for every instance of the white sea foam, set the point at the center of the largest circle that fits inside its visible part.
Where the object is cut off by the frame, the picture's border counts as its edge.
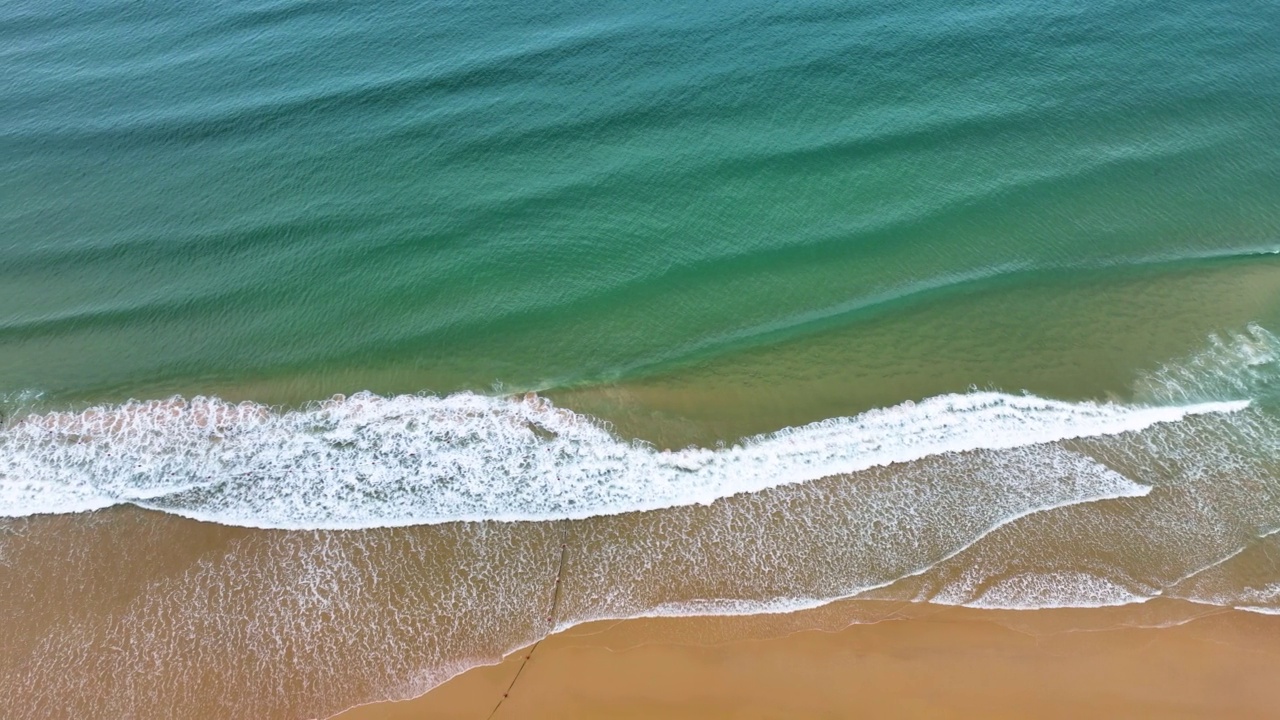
(1040, 590)
(371, 461)
(1242, 364)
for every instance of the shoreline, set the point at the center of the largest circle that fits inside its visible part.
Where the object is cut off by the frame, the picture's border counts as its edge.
(895, 660)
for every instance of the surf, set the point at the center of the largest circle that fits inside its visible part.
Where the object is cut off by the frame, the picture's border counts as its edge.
(370, 461)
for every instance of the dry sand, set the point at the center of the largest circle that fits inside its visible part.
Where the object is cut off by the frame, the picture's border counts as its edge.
(913, 663)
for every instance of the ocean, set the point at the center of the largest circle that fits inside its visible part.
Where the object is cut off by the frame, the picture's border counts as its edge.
(344, 347)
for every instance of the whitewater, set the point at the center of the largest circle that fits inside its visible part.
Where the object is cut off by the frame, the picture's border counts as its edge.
(370, 461)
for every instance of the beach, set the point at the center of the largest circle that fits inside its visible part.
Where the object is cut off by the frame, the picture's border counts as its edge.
(910, 663)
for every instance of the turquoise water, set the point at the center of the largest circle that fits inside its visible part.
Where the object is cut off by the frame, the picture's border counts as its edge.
(540, 197)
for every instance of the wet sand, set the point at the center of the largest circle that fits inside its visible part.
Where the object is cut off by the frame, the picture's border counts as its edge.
(914, 662)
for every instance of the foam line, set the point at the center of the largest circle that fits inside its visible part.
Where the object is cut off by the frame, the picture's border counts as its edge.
(370, 461)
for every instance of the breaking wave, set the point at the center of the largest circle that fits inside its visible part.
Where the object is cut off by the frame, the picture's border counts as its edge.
(369, 461)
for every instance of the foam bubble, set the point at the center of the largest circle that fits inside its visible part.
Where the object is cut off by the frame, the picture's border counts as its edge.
(1041, 590)
(371, 461)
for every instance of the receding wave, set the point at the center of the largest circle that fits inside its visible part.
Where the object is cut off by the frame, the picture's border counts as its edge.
(370, 461)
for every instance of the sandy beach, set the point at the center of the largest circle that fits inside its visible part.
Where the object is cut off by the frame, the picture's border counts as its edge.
(912, 663)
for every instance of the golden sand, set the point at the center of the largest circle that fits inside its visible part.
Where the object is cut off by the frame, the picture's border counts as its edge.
(950, 663)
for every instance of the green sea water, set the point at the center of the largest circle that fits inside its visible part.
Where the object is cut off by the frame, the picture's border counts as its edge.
(283, 200)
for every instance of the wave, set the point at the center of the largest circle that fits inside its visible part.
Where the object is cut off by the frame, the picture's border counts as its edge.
(369, 461)
(400, 610)
(982, 499)
(930, 290)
